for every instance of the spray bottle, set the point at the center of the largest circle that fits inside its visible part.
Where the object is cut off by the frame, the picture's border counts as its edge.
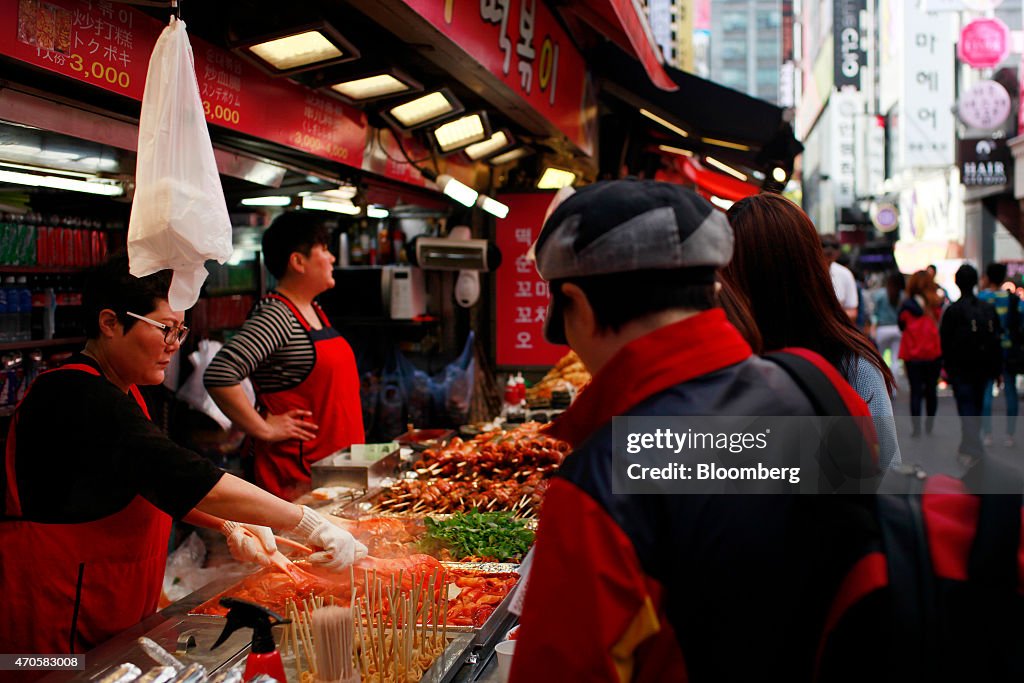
(264, 657)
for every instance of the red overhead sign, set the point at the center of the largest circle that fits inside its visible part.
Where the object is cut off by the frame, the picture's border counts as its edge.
(525, 47)
(521, 295)
(108, 45)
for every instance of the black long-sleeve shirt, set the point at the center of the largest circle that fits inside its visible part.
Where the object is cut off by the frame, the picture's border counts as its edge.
(85, 449)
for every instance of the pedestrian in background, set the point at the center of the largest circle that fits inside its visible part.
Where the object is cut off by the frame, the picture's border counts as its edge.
(992, 293)
(843, 282)
(921, 348)
(972, 355)
(887, 303)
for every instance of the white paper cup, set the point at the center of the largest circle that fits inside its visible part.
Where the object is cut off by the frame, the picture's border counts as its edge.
(503, 651)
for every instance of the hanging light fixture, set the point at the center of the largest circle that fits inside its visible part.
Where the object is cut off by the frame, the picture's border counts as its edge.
(509, 156)
(424, 110)
(555, 178)
(298, 49)
(462, 132)
(375, 86)
(492, 206)
(499, 141)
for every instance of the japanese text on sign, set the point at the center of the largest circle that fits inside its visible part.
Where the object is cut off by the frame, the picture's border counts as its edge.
(106, 44)
(96, 45)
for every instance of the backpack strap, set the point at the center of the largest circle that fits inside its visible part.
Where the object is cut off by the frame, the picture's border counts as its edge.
(913, 597)
(816, 385)
(994, 554)
(850, 460)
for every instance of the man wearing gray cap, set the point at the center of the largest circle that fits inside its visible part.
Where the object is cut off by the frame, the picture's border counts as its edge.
(654, 587)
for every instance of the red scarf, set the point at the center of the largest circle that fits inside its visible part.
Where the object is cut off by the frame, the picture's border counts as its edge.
(670, 355)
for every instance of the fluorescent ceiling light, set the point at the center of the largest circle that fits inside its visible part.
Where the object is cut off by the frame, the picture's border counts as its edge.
(671, 126)
(42, 170)
(297, 51)
(497, 141)
(723, 204)
(675, 150)
(316, 203)
(423, 110)
(463, 194)
(511, 155)
(460, 132)
(555, 179)
(343, 192)
(725, 168)
(267, 201)
(371, 87)
(492, 206)
(108, 188)
(726, 143)
(99, 163)
(377, 212)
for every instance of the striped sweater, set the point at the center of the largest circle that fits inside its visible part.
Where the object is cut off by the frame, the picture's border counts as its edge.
(272, 349)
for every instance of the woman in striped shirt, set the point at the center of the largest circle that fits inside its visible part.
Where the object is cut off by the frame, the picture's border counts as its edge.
(304, 372)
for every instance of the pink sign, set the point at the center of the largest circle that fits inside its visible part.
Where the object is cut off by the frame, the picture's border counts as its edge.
(521, 295)
(984, 43)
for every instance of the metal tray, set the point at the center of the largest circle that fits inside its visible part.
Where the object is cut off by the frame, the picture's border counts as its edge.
(342, 469)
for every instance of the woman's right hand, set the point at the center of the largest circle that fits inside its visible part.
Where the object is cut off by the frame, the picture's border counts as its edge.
(289, 425)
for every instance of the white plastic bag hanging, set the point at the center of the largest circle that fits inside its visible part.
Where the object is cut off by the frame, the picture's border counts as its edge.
(179, 217)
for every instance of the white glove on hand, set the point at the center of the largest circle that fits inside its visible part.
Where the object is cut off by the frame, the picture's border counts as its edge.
(341, 549)
(249, 542)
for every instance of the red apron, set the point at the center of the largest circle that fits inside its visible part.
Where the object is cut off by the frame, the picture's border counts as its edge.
(331, 393)
(68, 587)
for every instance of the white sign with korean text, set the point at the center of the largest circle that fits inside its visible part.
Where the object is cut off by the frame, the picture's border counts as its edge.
(960, 5)
(926, 98)
(845, 106)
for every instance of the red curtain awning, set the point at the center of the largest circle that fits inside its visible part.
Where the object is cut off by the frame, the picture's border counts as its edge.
(622, 23)
(714, 183)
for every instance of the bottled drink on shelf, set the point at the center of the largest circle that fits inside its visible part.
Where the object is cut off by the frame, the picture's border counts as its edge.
(384, 246)
(40, 307)
(24, 309)
(60, 307)
(5, 319)
(74, 313)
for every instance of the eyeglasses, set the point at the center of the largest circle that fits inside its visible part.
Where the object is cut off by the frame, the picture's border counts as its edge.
(172, 335)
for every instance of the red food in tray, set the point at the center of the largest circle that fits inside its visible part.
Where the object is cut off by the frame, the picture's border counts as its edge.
(480, 592)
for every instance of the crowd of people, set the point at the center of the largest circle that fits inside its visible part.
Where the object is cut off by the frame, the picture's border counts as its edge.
(675, 308)
(973, 345)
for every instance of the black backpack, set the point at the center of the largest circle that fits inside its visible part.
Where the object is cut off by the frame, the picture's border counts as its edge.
(972, 338)
(916, 583)
(1015, 333)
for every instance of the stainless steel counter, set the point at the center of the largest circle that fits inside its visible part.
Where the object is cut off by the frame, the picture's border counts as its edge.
(189, 638)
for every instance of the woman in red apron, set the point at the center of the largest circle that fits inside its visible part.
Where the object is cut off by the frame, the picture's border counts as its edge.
(90, 485)
(71, 576)
(304, 371)
(330, 393)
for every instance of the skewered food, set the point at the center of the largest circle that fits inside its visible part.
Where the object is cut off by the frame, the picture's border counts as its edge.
(569, 371)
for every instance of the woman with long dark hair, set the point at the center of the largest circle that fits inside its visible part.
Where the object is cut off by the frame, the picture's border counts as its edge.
(780, 266)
